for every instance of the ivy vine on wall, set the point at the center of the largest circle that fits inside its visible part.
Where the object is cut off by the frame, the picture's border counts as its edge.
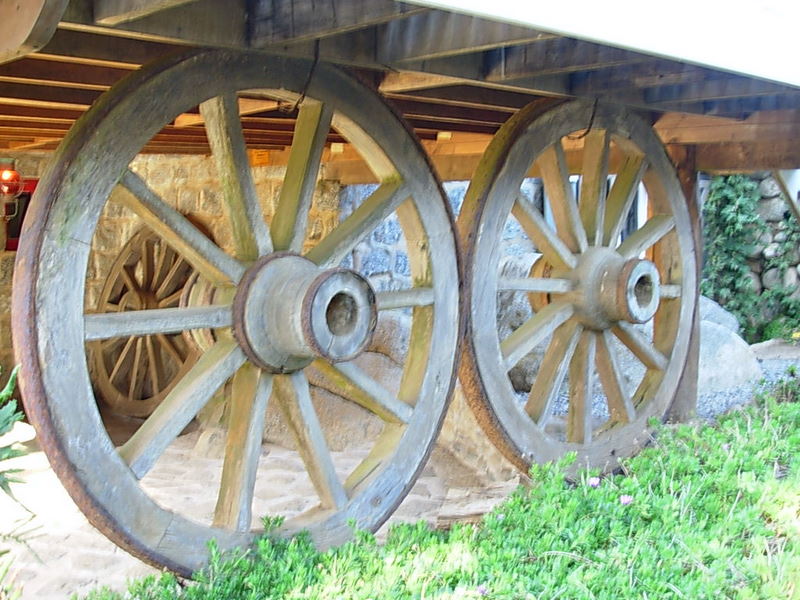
(732, 228)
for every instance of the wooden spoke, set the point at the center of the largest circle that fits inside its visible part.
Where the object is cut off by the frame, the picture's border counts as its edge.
(384, 446)
(170, 279)
(592, 202)
(670, 291)
(545, 239)
(620, 405)
(115, 371)
(533, 331)
(224, 130)
(250, 392)
(581, 375)
(294, 399)
(137, 370)
(350, 382)
(290, 221)
(169, 346)
(181, 405)
(552, 371)
(553, 166)
(646, 236)
(178, 232)
(172, 300)
(417, 296)
(641, 347)
(620, 198)
(545, 285)
(99, 326)
(154, 365)
(130, 279)
(339, 242)
(148, 265)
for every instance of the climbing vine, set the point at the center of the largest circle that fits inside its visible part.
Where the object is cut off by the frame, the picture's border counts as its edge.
(732, 228)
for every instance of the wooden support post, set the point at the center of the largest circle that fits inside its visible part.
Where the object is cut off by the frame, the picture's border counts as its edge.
(684, 406)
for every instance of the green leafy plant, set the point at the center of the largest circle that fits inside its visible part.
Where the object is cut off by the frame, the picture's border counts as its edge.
(707, 511)
(732, 228)
(9, 415)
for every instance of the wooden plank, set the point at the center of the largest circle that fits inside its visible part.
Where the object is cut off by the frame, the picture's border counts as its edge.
(57, 73)
(676, 128)
(438, 33)
(114, 12)
(201, 22)
(45, 95)
(103, 50)
(558, 55)
(247, 106)
(27, 25)
(728, 158)
(295, 20)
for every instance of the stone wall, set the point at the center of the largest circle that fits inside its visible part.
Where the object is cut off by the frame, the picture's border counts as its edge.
(779, 221)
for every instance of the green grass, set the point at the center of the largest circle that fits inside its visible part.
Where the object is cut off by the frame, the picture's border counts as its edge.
(714, 512)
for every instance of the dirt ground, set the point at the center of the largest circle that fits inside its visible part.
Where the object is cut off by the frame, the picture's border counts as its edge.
(65, 555)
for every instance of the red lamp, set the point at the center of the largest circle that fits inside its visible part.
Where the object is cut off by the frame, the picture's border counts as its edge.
(10, 179)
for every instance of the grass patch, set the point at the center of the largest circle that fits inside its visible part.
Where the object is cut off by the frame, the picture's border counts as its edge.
(708, 511)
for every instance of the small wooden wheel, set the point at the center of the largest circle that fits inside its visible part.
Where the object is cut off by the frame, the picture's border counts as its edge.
(132, 375)
(610, 309)
(280, 313)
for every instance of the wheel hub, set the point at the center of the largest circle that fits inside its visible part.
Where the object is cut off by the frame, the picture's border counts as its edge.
(611, 289)
(287, 312)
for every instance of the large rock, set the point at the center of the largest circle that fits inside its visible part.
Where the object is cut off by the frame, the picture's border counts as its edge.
(771, 210)
(711, 311)
(726, 361)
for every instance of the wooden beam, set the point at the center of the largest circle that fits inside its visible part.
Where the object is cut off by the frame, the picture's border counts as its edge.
(45, 95)
(297, 20)
(114, 12)
(553, 56)
(743, 157)
(103, 50)
(677, 128)
(789, 182)
(247, 106)
(407, 81)
(57, 73)
(200, 22)
(436, 33)
(471, 96)
(27, 25)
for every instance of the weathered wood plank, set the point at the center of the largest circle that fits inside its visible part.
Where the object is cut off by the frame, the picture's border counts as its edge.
(533, 331)
(290, 221)
(296, 20)
(115, 12)
(160, 320)
(243, 210)
(581, 379)
(27, 25)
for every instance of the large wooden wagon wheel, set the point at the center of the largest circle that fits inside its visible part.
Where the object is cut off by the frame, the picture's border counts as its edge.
(610, 313)
(276, 312)
(132, 375)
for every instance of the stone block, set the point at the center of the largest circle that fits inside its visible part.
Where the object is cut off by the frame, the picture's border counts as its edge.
(769, 188)
(772, 209)
(771, 278)
(7, 267)
(713, 312)
(726, 361)
(790, 278)
(771, 250)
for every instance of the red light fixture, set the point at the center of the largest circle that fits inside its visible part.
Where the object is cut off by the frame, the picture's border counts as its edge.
(10, 179)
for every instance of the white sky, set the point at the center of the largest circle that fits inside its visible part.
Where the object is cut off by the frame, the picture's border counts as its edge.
(759, 37)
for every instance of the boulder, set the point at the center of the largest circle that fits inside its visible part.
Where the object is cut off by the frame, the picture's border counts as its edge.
(726, 361)
(713, 312)
(771, 278)
(769, 188)
(771, 210)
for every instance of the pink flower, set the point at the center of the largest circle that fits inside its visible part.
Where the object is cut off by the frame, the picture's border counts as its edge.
(593, 482)
(625, 499)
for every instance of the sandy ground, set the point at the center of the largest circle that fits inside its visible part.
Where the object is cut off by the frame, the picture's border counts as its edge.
(65, 555)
